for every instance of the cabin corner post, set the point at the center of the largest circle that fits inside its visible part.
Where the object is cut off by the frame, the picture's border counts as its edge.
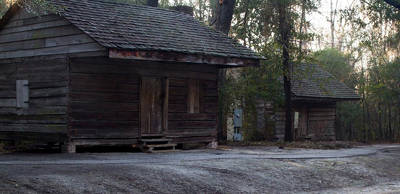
(68, 146)
(165, 104)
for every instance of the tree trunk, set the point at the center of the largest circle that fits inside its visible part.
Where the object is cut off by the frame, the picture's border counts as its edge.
(332, 27)
(223, 14)
(284, 28)
(245, 21)
(302, 25)
(222, 19)
(153, 3)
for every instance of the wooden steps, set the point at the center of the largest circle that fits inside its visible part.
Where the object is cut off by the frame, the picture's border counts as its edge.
(152, 143)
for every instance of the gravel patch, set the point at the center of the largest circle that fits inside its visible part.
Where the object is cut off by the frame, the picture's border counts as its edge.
(238, 170)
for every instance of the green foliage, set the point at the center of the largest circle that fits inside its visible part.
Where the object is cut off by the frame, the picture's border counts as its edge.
(334, 62)
(3, 7)
(36, 7)
(375, 33)
(256, 25)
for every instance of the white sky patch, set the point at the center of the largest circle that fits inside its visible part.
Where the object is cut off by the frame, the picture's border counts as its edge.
(320, 20)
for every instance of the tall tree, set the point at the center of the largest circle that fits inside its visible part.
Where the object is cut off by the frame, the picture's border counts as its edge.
(284, 31)
(221, 21)
(222, 16)
(332, 20)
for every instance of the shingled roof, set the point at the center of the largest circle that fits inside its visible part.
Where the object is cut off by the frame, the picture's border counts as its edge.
(311, 81)
(135, 27)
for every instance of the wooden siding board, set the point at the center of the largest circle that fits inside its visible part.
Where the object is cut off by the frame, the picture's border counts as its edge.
(31, 27)
(79, 48)
(111, 76)
(39, 34)
(8, 102)
(45, 43)
(103, 65)
(186, 125)
(47, 103)
(27, 35)
(320, 121)
(103, 104)
(31, 20)
(36, 128)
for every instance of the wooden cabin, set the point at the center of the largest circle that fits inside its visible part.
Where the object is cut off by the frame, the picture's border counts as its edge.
(104, 73)
(315, 93)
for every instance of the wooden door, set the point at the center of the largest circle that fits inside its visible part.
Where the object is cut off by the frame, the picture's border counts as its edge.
(151, 105)
(300, 131)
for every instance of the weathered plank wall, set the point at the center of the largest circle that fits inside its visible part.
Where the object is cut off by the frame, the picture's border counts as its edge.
(319, 123)
(105, 98)
(36, 49)
(47, 96)
(28, 35)
(280, 125)
(192, 127)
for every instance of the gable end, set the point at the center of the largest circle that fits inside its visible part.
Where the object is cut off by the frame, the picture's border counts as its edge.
(23, 34)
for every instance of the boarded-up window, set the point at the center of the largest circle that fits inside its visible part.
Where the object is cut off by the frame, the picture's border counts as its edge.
(193, 100)
(22, 87)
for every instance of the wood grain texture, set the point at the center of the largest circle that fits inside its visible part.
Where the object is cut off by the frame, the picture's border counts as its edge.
(27, 35)
(151, 105)
(47, 100)
(115, 91)
(103, 104)
(317, 121)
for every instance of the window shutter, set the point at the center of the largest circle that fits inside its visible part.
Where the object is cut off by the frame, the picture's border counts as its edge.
(193, 96)
(22, 93)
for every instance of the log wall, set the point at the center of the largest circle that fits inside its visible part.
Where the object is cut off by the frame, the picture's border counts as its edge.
(321, 122)
(105, 99)
(192, 127)
(28, 35)
(37, 49)
(316, 122)
(48, 88)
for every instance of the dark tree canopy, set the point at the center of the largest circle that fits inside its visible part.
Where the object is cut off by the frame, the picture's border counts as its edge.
(394, 3)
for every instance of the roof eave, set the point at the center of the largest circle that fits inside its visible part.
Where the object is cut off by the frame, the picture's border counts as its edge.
(154, 55)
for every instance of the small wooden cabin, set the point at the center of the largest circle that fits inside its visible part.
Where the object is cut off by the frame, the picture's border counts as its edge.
(111, 73)
(315, 93)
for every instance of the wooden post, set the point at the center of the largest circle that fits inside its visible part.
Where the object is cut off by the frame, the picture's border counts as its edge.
(165, 104)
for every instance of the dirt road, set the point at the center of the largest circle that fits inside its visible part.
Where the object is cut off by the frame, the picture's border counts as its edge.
(373, 169)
